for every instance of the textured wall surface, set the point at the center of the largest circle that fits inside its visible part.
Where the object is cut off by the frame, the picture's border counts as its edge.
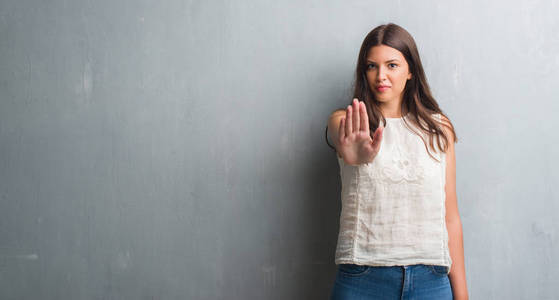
(175, 149)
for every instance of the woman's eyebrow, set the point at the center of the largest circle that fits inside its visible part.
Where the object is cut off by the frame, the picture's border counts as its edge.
(385, 61)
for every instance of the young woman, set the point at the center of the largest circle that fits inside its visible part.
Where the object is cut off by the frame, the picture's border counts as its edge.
(400, 232)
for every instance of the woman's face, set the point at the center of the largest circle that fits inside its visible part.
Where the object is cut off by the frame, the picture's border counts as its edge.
(386, 66)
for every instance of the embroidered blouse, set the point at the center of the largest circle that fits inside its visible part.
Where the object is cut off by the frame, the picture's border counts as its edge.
(393, 209)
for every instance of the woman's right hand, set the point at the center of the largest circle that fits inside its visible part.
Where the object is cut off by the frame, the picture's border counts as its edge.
(354, 140)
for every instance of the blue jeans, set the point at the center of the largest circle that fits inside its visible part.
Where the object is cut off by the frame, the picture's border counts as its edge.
(417, 282)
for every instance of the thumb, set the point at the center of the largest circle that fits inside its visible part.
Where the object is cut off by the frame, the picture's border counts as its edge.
(377, 137)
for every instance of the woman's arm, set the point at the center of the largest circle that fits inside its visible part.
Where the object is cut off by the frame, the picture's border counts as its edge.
(454, 225)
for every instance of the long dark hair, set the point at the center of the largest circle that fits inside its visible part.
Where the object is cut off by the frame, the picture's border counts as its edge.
(418, 104)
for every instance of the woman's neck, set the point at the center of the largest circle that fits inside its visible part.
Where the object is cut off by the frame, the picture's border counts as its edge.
(391, 110)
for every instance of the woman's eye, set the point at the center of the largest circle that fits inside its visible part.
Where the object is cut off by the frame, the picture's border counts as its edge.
(369, 66)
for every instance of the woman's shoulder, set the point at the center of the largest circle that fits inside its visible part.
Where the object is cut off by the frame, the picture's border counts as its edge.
(337, 113)
(332, 127)
(437, 116)
(441, 118)
(334, 118)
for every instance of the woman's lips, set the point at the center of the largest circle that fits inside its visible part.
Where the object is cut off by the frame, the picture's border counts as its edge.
(382, 88)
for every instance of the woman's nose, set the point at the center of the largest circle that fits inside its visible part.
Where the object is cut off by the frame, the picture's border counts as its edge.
(381, 73)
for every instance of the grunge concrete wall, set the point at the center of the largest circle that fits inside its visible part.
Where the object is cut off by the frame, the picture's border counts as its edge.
(175, 149)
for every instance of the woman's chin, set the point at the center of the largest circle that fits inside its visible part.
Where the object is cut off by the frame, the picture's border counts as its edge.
(382, 98)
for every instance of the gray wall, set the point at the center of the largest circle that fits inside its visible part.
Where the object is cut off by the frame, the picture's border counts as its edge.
(175, 149)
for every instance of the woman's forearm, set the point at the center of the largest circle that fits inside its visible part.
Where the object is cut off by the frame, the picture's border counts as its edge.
(457, 271)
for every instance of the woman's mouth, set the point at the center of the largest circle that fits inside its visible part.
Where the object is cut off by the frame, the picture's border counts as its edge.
(382, 88)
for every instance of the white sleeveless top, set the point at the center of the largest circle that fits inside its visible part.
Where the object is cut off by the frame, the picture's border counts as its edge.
(393, 209)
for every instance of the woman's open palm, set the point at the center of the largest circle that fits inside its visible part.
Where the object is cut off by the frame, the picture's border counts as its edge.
(355, 143)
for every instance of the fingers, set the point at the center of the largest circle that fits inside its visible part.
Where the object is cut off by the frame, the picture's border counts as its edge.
(356, 117)
(363, 117)
(341, 130)
(377, 137)
(349, 121)
(356, 109)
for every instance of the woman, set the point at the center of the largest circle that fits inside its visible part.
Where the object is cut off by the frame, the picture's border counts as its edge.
(400, 232)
